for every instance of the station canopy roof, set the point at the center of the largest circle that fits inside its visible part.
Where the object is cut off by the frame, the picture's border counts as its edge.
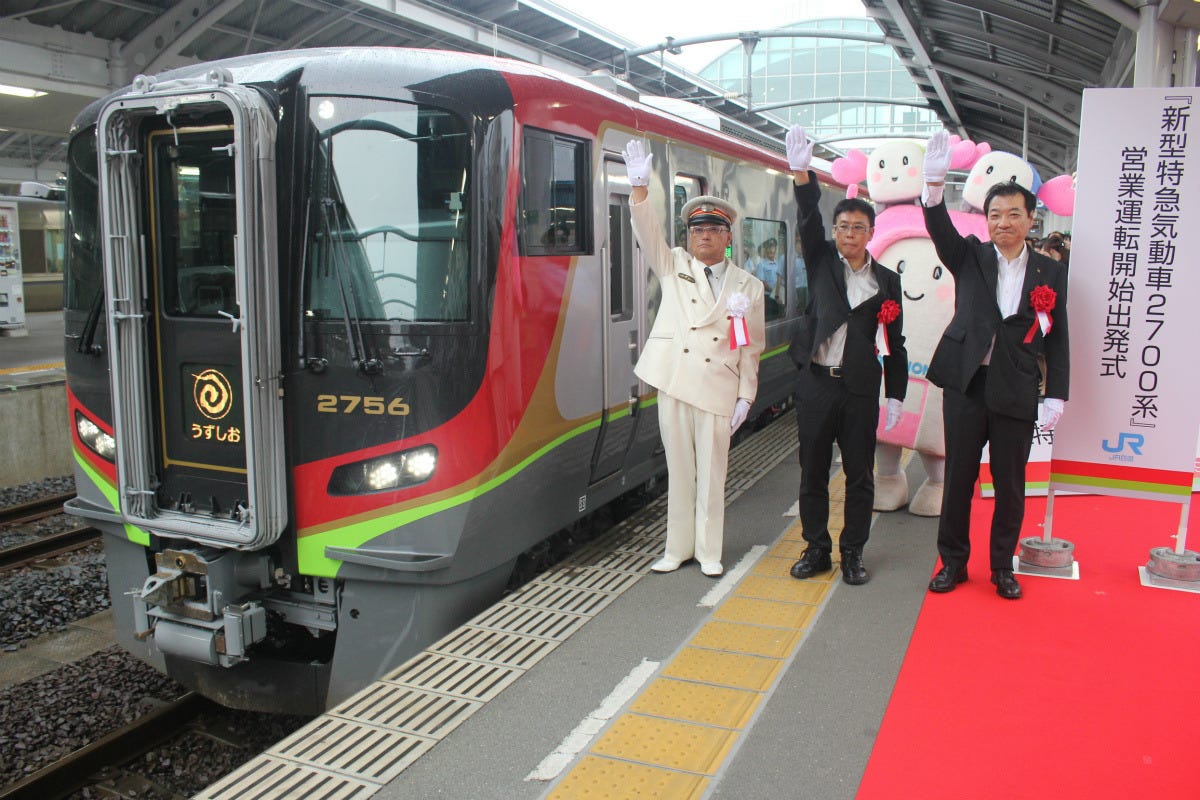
(980, 63)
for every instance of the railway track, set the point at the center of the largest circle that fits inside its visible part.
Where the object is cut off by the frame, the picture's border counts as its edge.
(100, 762)
(47, 547)
(34, 510)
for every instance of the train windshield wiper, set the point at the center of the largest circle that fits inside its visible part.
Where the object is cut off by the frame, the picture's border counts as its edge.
(334, 255)
(87, 337)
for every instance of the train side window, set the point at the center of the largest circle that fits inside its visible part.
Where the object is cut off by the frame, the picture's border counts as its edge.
(554, 194)
(764, 254)
(686, 188)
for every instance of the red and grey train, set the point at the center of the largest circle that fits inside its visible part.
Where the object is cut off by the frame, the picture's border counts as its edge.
(348, 330)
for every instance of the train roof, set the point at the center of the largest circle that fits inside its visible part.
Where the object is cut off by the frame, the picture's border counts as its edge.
(381, 71)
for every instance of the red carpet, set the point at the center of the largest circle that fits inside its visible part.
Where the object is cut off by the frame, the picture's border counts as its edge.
(1082, 689)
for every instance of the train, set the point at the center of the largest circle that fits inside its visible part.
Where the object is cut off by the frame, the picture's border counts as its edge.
(348, 330)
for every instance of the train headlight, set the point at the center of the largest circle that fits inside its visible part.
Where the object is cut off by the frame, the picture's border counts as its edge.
(96, 440)
(387, 473)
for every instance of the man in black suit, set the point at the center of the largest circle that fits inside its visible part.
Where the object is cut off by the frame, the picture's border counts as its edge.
(854, 316)
(1010, 306)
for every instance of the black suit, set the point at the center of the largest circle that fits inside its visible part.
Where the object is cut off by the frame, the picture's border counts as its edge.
(996, 404)
(843, 409)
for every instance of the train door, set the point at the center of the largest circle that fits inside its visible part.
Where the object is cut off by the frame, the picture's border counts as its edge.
(191, 280)
(623, 315)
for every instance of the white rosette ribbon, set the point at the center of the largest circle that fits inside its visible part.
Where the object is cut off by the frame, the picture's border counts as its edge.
(739, 334)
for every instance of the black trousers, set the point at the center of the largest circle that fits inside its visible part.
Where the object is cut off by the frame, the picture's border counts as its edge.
(828, 413)
(968, 425)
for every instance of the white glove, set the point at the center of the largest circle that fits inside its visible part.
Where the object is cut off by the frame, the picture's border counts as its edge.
(1053, 408)
(799, 149)
(937, 157)
(637, 162)
(740, 410)
(894, 409)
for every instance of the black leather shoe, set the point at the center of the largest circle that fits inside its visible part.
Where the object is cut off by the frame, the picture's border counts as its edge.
(947, 579)
(1006, 584)
(853, 571)
(811, 562)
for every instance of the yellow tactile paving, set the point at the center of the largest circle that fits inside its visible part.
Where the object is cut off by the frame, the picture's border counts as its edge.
(666, 743)
(724, 669)
(606, 779)
(785, 590)
(765, 612)
(697, 702)
(756, 640)
(690, 716)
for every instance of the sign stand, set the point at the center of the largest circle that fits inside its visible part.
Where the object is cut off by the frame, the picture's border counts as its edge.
(1174, 569)
(1044, 555)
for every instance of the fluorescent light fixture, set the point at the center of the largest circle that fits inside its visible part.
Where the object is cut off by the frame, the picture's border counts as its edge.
(19, 91)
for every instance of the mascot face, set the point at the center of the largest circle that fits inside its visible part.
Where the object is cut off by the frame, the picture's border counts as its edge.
(928, 294)
(993, 168)
(894, 172)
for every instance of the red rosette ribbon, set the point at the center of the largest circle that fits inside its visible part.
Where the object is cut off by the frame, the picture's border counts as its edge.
(739, 332)
(1043, 300)
(888, 313)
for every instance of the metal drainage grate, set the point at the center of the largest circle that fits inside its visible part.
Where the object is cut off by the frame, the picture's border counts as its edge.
(481, 644)
(474, 680)
(600, 580)
(513, 618)
(571, 599)
(268, 777)
(363, 751)
(409, 710)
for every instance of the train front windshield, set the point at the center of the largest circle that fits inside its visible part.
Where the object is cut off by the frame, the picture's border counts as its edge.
(388, 214)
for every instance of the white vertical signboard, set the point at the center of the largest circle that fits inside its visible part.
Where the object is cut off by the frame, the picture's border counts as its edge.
(1134, 412)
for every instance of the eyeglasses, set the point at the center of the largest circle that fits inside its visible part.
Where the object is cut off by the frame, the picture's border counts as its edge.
(857, 230)
(707, 230)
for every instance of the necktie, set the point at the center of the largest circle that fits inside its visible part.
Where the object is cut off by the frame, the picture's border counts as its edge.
(708, 273)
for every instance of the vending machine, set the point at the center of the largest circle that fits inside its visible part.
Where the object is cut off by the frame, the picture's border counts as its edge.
(12, 291)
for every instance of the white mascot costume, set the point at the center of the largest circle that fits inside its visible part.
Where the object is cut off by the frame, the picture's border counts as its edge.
(893, 173)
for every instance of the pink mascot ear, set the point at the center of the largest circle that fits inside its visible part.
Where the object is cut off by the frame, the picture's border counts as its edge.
(962, 155)
(850, 169)
(982, 149)
(954, 139)
(1059, 195)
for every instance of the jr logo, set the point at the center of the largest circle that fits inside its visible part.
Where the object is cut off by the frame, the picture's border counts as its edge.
(1133, 441)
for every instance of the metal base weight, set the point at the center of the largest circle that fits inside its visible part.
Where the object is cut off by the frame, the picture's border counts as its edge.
(1069, 572)
(1048, 557)
(1166, 563)
(1153, 581)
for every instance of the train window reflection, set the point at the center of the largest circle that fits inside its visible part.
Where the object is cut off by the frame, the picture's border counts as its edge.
(388, 227)
(196, 221)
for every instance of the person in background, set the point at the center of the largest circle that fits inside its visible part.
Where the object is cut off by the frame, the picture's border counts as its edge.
(1010, 307)
(854, 316)
(770, 270)
(702, 356)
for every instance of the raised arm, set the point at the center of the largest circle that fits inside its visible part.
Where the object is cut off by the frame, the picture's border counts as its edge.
(647, 228)
(950, 245)
(808, 196)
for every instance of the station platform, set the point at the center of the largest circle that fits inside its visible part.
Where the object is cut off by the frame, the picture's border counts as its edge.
(35, 357)
(603, 680)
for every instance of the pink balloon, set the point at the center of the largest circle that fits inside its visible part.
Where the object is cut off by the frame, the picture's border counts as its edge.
(852, 191)
(982, 149)
(1059, 195)
(849, 169)
(962, 155)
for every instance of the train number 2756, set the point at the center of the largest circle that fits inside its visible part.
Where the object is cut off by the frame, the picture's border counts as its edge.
(351, 403)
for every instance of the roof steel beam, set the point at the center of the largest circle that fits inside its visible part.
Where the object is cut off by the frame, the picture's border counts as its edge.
(50, 59)
(1010, 12)
(912, 36)
(161, 42)
(1067, 66)
(1044, 110)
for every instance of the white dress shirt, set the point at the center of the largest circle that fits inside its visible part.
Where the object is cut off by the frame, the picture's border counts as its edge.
(860, 287)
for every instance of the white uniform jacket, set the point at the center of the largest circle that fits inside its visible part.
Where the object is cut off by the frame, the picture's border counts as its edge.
(687, 354)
